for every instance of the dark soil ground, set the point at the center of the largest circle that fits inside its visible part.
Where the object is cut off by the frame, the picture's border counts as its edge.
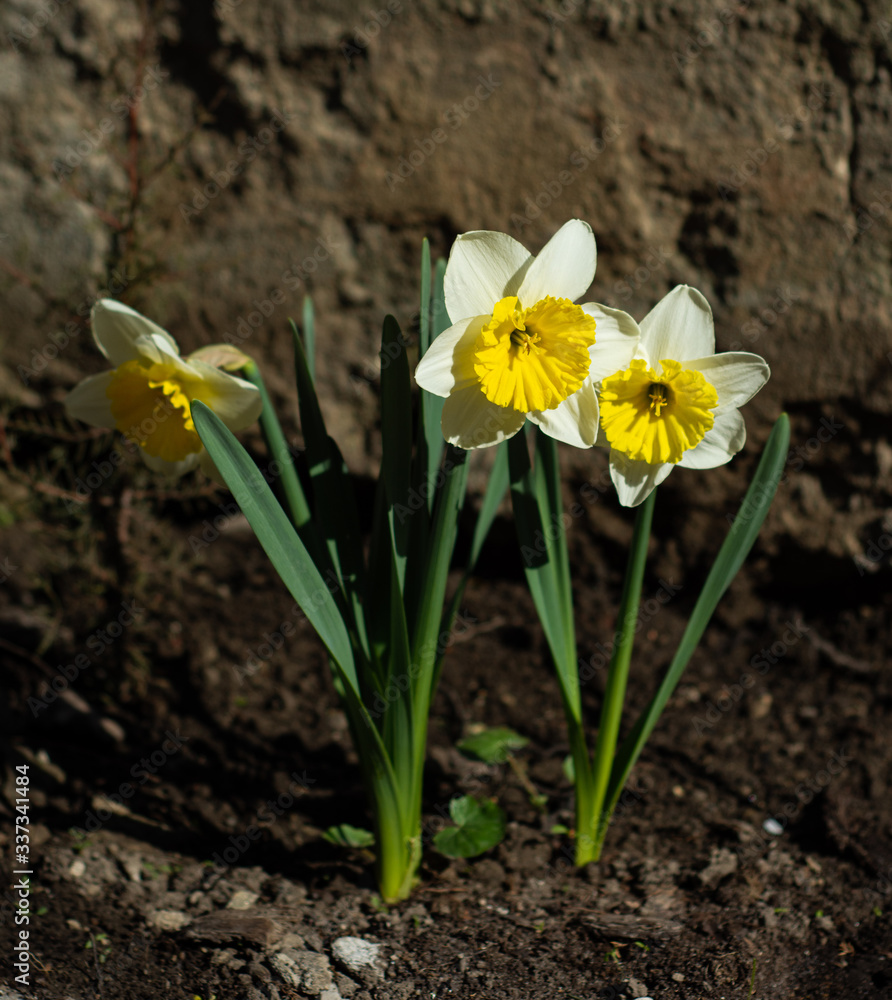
(783, 713)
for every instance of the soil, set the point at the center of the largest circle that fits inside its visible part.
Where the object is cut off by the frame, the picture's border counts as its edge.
(751, 855)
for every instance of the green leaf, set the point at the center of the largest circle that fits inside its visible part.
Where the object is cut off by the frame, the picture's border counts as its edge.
(735, 549)
(277, 536)
(492, 746)
(544, 567)
(309, 325)
(480, 825)
(433, 321)
(344, 835)
(334, 499)
(396, 433)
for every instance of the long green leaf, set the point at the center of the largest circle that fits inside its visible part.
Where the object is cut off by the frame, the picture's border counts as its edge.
(733, 552)
(541, 571)
(431, 441)
(309, 332)
(335, 501)
(291, 487)
(277, 536)
(396, 432)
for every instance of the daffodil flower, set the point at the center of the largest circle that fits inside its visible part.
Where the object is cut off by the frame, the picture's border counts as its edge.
(676, 402)
(519, 347)
(148, 394)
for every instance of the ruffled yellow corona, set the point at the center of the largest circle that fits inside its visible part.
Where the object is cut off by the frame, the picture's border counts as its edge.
(533, 359)
(656, 417)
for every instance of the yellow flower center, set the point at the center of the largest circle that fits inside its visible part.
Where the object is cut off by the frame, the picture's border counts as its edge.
(533, 359)
(150, 404)
(656, 418)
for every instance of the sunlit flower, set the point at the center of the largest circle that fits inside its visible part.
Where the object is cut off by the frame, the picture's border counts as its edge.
(676, 402)
(519, 347)
(147, 396)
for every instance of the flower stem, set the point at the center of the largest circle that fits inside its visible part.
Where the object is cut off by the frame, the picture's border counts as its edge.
(617, 679)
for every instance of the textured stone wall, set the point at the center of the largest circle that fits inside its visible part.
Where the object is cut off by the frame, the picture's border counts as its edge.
(206, 162)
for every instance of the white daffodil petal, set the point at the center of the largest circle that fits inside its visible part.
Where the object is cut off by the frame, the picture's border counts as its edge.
(575, 421)
(483, 268)
(720, 443)
(565, 267)
(470, 420)
(678, 327)
(236, 402)
(117, 328)
(616, 340)
(157, 464)
(88, 401)
(737, 376)
(635, 481)
(448, 363)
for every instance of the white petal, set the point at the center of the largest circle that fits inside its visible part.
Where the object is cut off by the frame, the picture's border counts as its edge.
(635, 481)
(736, 375)
(565, 267)
(117, 328)
(448, 363)
(236, 402)
(171, 468)
(87, 401)
(678, 327)
(720, 443)
(470, 420)
(616, 340)
(483, 268)
(575, 421)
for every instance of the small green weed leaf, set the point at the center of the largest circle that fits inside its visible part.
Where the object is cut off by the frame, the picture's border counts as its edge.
(492, 746)
(344, 835)
(480, 825)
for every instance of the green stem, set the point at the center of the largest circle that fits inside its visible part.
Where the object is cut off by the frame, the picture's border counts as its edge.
(617, 679)
(295, 498)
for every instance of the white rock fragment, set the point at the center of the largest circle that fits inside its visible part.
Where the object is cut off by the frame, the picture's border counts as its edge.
(772, 827)
(355, 953)
(305, 970)
(168, 920)
(242, 899)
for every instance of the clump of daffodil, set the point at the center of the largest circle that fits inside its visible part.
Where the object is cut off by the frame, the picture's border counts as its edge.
(676, 402)
(519, 346)
(147, 396)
